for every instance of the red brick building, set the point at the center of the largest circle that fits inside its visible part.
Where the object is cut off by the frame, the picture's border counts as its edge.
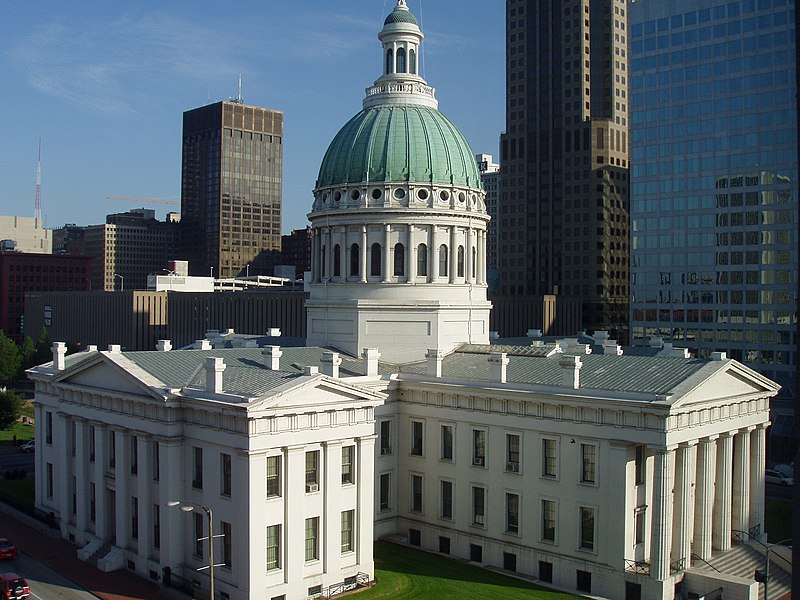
(296, 250)
(22, 272)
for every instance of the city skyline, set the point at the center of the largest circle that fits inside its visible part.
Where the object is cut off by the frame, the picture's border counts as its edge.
(105, 86)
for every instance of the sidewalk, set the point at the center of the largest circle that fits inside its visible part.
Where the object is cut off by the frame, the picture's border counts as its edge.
(46, 546)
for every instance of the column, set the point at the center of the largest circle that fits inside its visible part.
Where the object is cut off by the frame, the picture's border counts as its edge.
(314, 255)
(101, 458)
(412, 255)
(468, 258)
(331, 524)
(363, 273)
(482, 258)
(683, 523)
(62, 471)
(433, 255)
(704, 498)
(365, 515)
(327, 242)
(661, 534)
(741, 480)
(758, 446)
(81, 481)
(144, 480)
(721, 535)
(176, 542)
(122, 495)
(453, 254)
(343, 266)
(387, 254)
(293, 542)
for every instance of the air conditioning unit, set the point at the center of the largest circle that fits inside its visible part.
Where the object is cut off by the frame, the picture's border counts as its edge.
(312, 487)
(479, 460)
(512, 467)
(386, 450)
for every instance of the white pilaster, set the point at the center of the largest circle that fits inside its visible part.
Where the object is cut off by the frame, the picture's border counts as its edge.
(721, 537)
(365, 455)
(411, 253)
(704, 500)
(453, 254)
(740, 510)
(144, 480)
(62, 491)
(433, 254)
(388, 253)
(661, 531)
(82, 481)
(102, 522)
(122, 496)
(683, 522)
(331, 519)
(363, 269)
(176, 542)
(758, 446)
(294, 519)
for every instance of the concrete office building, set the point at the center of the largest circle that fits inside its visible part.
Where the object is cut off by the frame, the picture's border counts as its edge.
(231, 188)
(564, 158)
(714, 213)
(27, 234)
(490, 177)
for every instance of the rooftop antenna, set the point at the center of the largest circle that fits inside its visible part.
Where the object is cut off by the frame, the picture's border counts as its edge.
(422, 48)
(37, 205)
(239, 95)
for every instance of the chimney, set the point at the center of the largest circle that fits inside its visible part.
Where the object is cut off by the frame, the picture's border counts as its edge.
(534, 333)
(612, 347)
(330, 363)
(310, 370)
(214, 368)
(274, 332)
(59, 350)
(114, 348)
(91, 348)
(273, 357)
(164, 345)
(202, 345)
(434, 357)
(600, 337)
(229, 331)
(371, 356)
(498, 361)
(570, 371)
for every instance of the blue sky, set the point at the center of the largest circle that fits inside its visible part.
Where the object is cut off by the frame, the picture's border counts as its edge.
(104, 83)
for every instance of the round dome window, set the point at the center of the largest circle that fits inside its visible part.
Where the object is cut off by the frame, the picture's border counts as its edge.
(355, 194)
(376, 194)
(422, 194)
(399, 193)
(462, 197)
(325, 198)
(337, 196)
(444, 195)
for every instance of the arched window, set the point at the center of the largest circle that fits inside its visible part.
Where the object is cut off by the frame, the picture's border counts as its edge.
(461, 261)
(412, 62)
(337, 260)
(375, 260)
(474, 261)
(355, 260)
(422, 260)
(442, 261)
(401, 60)
(389, 61)
(399, 260)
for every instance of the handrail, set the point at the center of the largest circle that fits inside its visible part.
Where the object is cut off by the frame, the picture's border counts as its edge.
(767, 546)
(695, 556)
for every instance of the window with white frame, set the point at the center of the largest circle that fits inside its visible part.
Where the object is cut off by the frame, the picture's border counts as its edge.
(312, 471)
(512, 452)
(447, 499)
(640, 524)
(416, 493)
(312, 539)
(478, 506)
(273, 476)
(549, 458)
(512, 513)
(587, 524)
(348, 456)
(273, 547)
(227, 545)
(639, 464)
(386, 439)
(385, 491)
(197, 480)
(479, 447)
(416, 438)
(447, 442)
(588, 463)
(225, 474)
(549, 522)
(347, 530)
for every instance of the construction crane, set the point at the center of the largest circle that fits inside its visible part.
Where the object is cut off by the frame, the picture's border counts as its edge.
(136, 200)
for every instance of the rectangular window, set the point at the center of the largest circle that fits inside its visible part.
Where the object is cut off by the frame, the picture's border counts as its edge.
(198, 534)
(197, 480)
(73, 437)
(273, 476)
(385, 491)
(587, 528)
(447, 499)
(386, 438)
(74, 495)
(416, 438)
(48, 430)
(273, 547)
(156, 461)
(512, 513)
(478, 506)
(549, 520)
(639, 465)
(312, 547)
(549, 458)
(225, 472)
(479, 447)
(348, 455)
(156, 526)
(49, 481)
(227, 544)
(92, 502)
(347, 530)
(416, 493)
(92, 447)
(112, 449)
(512, 452)
(447, 442)
(640, 524)
(312, 471)
(134, 455)
(583, 581)
(588, 463)
(134, 517)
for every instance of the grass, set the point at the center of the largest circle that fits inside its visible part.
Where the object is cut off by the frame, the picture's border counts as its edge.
(406, 574)
(778, 519)
(21, 490)
(22, 431)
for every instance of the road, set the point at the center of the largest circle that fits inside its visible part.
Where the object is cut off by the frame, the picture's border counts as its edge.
(778, 491)
(16, 460)
(45, 583)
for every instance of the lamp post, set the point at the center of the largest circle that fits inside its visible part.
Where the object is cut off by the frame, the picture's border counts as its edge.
(765, 575)
(121, 282)
(189, 506)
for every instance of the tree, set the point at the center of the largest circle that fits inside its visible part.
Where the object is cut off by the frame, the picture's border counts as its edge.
(10, 408)
(43, 351)
(27, 351)
(10, 358)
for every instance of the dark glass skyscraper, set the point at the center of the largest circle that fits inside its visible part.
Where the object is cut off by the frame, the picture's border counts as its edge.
(714, 178)
(231, 187)
(564, 157)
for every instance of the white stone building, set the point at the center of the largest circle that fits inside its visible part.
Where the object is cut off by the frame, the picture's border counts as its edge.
(600, 473)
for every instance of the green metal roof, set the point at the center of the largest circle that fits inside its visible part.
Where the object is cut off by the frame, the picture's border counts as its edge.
(400, 16)
(406, 143)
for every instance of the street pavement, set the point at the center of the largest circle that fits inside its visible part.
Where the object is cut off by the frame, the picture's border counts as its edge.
(45, 583)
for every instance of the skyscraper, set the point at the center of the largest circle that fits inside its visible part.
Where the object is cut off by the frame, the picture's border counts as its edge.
(564, 157)
(231, 187)
(714, 180)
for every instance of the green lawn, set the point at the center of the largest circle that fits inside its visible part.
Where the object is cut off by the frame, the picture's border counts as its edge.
(405, 574)
(23, 433)
(778, 519)
(21, 490)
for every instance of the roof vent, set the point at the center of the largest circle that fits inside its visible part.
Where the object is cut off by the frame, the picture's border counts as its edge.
(201, 345)
(214, 368)
(163, 345)
(612, 347)
(570, 371)
(371, 356)
(212, 333)
(114, 348)
(273, 357)
(600, 337)
(330, 363)
(229, 331)
(274, 332)
(434, 358)
(59, 351)
(719, 356)
(91, 348)
(498, 361)
(310, 370)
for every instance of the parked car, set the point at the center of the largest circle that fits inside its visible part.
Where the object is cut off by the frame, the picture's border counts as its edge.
(8, 551)
(13, 587)
(773, 476)
(787, 470)
(28, 446)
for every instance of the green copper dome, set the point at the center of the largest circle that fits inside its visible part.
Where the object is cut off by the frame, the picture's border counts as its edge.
(406, 143)
(400, 16)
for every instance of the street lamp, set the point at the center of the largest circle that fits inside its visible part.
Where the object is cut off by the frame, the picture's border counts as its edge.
(121, 282)
(189, 506)
(763, 576)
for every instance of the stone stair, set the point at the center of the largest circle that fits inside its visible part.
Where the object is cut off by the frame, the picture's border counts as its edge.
(742, 560)
(104, 550)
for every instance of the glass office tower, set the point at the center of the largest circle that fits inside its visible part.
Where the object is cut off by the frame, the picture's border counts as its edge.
(714, 178)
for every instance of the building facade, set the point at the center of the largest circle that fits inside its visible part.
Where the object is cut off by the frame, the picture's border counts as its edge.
(296, 250)
(27, 233)
(714, 256)
(490, 178)
(231, 187)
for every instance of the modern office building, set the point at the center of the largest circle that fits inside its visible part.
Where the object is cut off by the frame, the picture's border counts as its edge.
(296, 250)
(564, 157)
(714, 178)
(231, 188)
(490, 177)
(26, 233)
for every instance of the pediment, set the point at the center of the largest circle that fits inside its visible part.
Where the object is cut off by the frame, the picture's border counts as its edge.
(733, 381)
(104, 375)
(317, 393)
